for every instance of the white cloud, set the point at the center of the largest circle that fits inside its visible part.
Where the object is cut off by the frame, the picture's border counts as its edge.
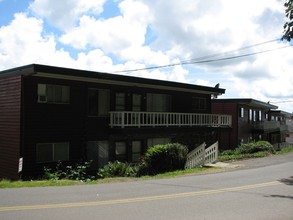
(180, 30)
(64, 14)
(114, 34)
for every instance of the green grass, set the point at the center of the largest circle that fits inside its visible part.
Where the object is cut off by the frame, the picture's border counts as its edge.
(199, 170)
(235, 155)
(43, 183)
(285, 150)
(34, 183)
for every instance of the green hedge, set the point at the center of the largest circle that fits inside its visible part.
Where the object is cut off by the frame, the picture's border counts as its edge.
(117, 169)
(254, 147)
(163, 158)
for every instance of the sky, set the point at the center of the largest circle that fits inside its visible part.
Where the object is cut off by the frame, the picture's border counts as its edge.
(231, 42)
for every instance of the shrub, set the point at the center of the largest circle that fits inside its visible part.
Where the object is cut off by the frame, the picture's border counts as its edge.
(77, 172)
(117, 169)
(254, 147)
(163, 158)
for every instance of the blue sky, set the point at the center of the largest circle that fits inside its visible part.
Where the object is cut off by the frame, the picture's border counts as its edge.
(117, 35)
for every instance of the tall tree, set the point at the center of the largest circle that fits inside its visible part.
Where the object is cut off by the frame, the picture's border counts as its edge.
(288, 26)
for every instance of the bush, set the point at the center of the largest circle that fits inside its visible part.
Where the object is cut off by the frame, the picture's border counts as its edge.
(163, 158)
(117, 169)
(77, 172)
(255, 147)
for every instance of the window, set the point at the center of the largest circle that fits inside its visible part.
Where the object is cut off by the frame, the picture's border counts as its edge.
(120, 101)
(51, 152)
(199, 103)
(136, 102)
(241, 112)
(93, 101)
(120, 151)
(250, 115)
(259, 116)
(98, 102)
(155, 141)
(254, 115)
(136, 151)
(56, 94)
(98, 153)
(158, 102)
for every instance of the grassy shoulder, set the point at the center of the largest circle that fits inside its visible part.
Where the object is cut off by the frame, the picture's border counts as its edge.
(231, 155)
(65, 182)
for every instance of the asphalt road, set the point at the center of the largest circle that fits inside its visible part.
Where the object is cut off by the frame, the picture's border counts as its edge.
(260, 189)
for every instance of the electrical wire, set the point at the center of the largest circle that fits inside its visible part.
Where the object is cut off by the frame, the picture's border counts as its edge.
(285, 101)
(207, 59)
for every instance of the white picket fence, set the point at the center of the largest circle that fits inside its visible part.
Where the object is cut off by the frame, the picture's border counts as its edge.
(201, 156)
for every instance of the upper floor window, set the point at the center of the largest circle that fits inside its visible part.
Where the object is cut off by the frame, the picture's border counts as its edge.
(120, 101)
(241, 112)
(259, 115)
(158, 102)
(98, 102)
(250, 115)
(136, 102)
(56, 94)
(199, 103)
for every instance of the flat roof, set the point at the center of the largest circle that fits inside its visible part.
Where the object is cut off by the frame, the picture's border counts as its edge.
(247, 101)
(101, 77)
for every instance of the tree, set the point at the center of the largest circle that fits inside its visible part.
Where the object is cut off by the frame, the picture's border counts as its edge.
(288, 26)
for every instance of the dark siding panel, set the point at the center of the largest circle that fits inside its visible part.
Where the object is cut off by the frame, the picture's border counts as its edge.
(51, 123)
(10, 111)
(228, 138)
(45, 123)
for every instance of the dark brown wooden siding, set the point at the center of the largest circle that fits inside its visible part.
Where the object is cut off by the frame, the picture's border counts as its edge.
(228, 138)
(51, 123)
(10, 124)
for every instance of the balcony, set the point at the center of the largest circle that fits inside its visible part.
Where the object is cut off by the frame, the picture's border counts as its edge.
(124, 119)
(270, 126)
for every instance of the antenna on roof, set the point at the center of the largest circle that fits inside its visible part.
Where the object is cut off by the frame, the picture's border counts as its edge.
(214, 96)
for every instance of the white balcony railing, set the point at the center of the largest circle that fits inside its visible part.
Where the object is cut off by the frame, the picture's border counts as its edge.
(167, 119)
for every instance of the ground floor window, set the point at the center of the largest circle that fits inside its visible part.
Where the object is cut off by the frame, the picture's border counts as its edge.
(121, 151)
(98, 153)
(136, 151)
(52, 152)
(155, 141)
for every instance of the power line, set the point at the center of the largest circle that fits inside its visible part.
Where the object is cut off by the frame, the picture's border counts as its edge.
(206, 59)
(233, 51)
(285, 101)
